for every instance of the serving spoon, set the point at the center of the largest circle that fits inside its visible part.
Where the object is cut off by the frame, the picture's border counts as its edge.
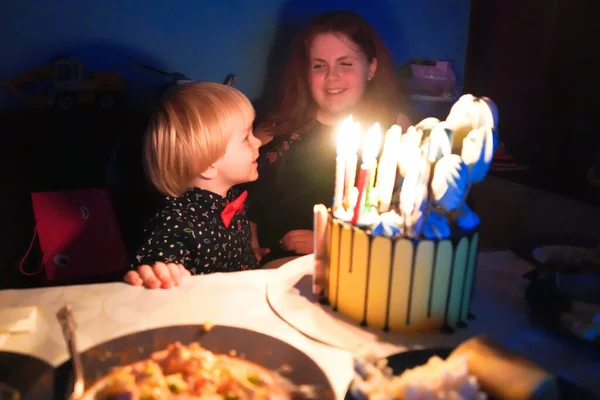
(67, 323)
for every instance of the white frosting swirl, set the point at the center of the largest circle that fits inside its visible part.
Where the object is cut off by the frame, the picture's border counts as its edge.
(343, 215)
(390, 225)
(427, 124)
(439, 145)
(478, 151)
(369, 219)
(449, 182)
(392, 218)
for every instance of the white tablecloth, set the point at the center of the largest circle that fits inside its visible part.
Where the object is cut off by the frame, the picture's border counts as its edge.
(106, 311)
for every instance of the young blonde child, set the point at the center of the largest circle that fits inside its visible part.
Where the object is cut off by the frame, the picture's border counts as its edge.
(198, 146)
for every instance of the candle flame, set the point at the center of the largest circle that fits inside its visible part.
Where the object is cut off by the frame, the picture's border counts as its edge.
(344, 132)
(354, 139)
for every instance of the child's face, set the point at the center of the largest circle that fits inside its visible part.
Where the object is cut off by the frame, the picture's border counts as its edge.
(238, 165)
(338, 75)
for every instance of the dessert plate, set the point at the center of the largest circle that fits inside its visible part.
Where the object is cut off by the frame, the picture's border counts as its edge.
(290, 296)
(553, 252)
(410, 359)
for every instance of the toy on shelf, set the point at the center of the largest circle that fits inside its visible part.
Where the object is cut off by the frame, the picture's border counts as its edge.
(178, 78)
(71, 87)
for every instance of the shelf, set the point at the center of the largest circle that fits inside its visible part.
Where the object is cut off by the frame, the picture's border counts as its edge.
(433, 99)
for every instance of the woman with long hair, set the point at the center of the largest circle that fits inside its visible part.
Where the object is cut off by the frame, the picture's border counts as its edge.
(338, 66)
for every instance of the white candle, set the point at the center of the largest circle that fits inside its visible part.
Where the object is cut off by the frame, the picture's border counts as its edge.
(414, 191)
(340, 161)
(410, 143)
(319, 249)
(369, 164)
(386, 170)
(353, 142)
(408, 194)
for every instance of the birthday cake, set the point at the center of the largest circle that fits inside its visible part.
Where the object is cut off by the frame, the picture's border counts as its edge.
(398, 250)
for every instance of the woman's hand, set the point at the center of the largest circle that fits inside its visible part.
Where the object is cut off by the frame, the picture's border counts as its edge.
(159, 275)
(299, 241)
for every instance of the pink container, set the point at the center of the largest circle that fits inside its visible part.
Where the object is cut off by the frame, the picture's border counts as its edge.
(433, 80)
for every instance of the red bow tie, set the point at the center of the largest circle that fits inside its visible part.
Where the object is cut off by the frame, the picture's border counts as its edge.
(231, 208)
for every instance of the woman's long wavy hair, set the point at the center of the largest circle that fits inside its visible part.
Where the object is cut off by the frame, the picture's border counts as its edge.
(296, 110)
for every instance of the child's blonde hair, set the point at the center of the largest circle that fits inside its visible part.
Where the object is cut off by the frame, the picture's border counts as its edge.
(190, 130)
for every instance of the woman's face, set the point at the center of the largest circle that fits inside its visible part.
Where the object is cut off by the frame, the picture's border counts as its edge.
(338, 75)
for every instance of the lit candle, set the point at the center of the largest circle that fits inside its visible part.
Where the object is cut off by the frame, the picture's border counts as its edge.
(371, 150)
(411, 195)
(414, 191)
(353, 142)
(386, 170)
(340, 161)
(369, 164)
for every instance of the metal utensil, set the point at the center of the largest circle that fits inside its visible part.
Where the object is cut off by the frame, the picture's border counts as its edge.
(67, 323)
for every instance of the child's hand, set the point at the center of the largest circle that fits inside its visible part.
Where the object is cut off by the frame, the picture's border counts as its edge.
(299, 241)
(160, 275)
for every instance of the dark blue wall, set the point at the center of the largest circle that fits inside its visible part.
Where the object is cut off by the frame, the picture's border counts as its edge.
(207, 39)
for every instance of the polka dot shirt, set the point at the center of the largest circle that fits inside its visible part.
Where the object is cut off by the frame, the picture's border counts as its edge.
(189, 231)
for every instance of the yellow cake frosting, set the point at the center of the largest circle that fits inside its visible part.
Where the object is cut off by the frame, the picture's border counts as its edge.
(399, 284)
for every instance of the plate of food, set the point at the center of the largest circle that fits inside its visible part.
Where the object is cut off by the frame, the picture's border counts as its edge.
(559, 253)
(198, 361)
(475, 370)
(24, 377)
(568, 263)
